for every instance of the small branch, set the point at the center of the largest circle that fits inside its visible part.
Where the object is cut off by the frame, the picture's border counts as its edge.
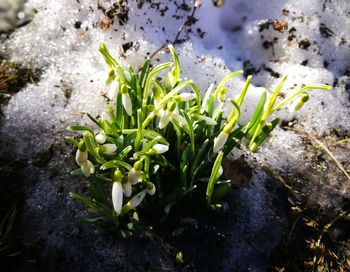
(196, 5)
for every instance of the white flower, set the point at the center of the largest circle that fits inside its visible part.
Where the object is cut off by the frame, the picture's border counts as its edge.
(110, 149)
(127, 189)
(164, 119)
(158, 149)
(113, 90)
(151, 189)
(100, 138)
(182, 121)
(221, 170)
(220, 141)
(186, 96)
(87, 168)
(134, 176)
(136, 200)
(117, 196)
(126, 101)
(105, 116)
(81, 157)
(127, 75)
(209, 121)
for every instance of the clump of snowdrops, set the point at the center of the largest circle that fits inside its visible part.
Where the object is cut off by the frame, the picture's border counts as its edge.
(159, 145)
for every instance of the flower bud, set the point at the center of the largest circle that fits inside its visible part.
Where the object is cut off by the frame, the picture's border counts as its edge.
(117, 176)
(126, 100)
(185, 96)
(150, 188)
(158, 149)
(136, 200)
(81, 157)
(134, 176)
(222, 94)
(220, 141)
(299, 103)
(100, 138)
(113, 90)
(109, 149)
(87, 168)
(127, 76)
(209, 121)
(105, 116)
(117, 196)
(164, 119)
(127, 189)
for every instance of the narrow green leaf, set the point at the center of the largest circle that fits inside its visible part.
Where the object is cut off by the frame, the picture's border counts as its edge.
(214, 176)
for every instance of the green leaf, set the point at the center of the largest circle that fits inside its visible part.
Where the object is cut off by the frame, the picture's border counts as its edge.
(114, 164)
(72, 141)
(214, 176)
(144, 73)
(80, 128)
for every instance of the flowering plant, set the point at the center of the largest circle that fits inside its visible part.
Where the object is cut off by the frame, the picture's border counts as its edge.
(161, 143)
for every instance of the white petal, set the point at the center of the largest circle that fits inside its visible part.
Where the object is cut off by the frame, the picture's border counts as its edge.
(151, 191)
(182, 121)
(127, 189)
(137, 199)
(110, 149)
(100, 138)
(209, 121)
(87, 168)
(117, 196)
(133, 176)
(160, 148)
(220, 141)
(105, 116)
(113, 90)
(127, 75)
(187, 96)
(126, 101)
(81, 157)
(164, 119)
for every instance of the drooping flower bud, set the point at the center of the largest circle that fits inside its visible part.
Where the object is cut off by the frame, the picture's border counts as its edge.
(135, 172)
(127, 76)
(185, 97)
(127, 189)
(113, 90)
(220, 141)
(299, 103)
(150, 188)
(126, 100)
(136, 200)
(158, 149)
(222, 94)
(87, 168)
(105, 116)
(109, 149)
(164, 119)
(209, 121)
(100, 138)
(117, 196)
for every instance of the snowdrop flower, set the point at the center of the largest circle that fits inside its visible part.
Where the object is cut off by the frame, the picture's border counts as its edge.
(220, 141)
(81, 158)
(136, 200)
(164, 119)
(150, 188)
(127, 76)
(299, 103)
(209, 121)
(127, 189)
(113, 90)
(126, 100)
(109, 149)
(100, 138)
(117, 196)
(105, 116)
(158, 149)
(117, 191)
(134, 173)
(185, 96)
(182, 121)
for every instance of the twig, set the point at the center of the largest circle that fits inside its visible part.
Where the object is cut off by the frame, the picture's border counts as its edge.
(333, 157)
(196, 5)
